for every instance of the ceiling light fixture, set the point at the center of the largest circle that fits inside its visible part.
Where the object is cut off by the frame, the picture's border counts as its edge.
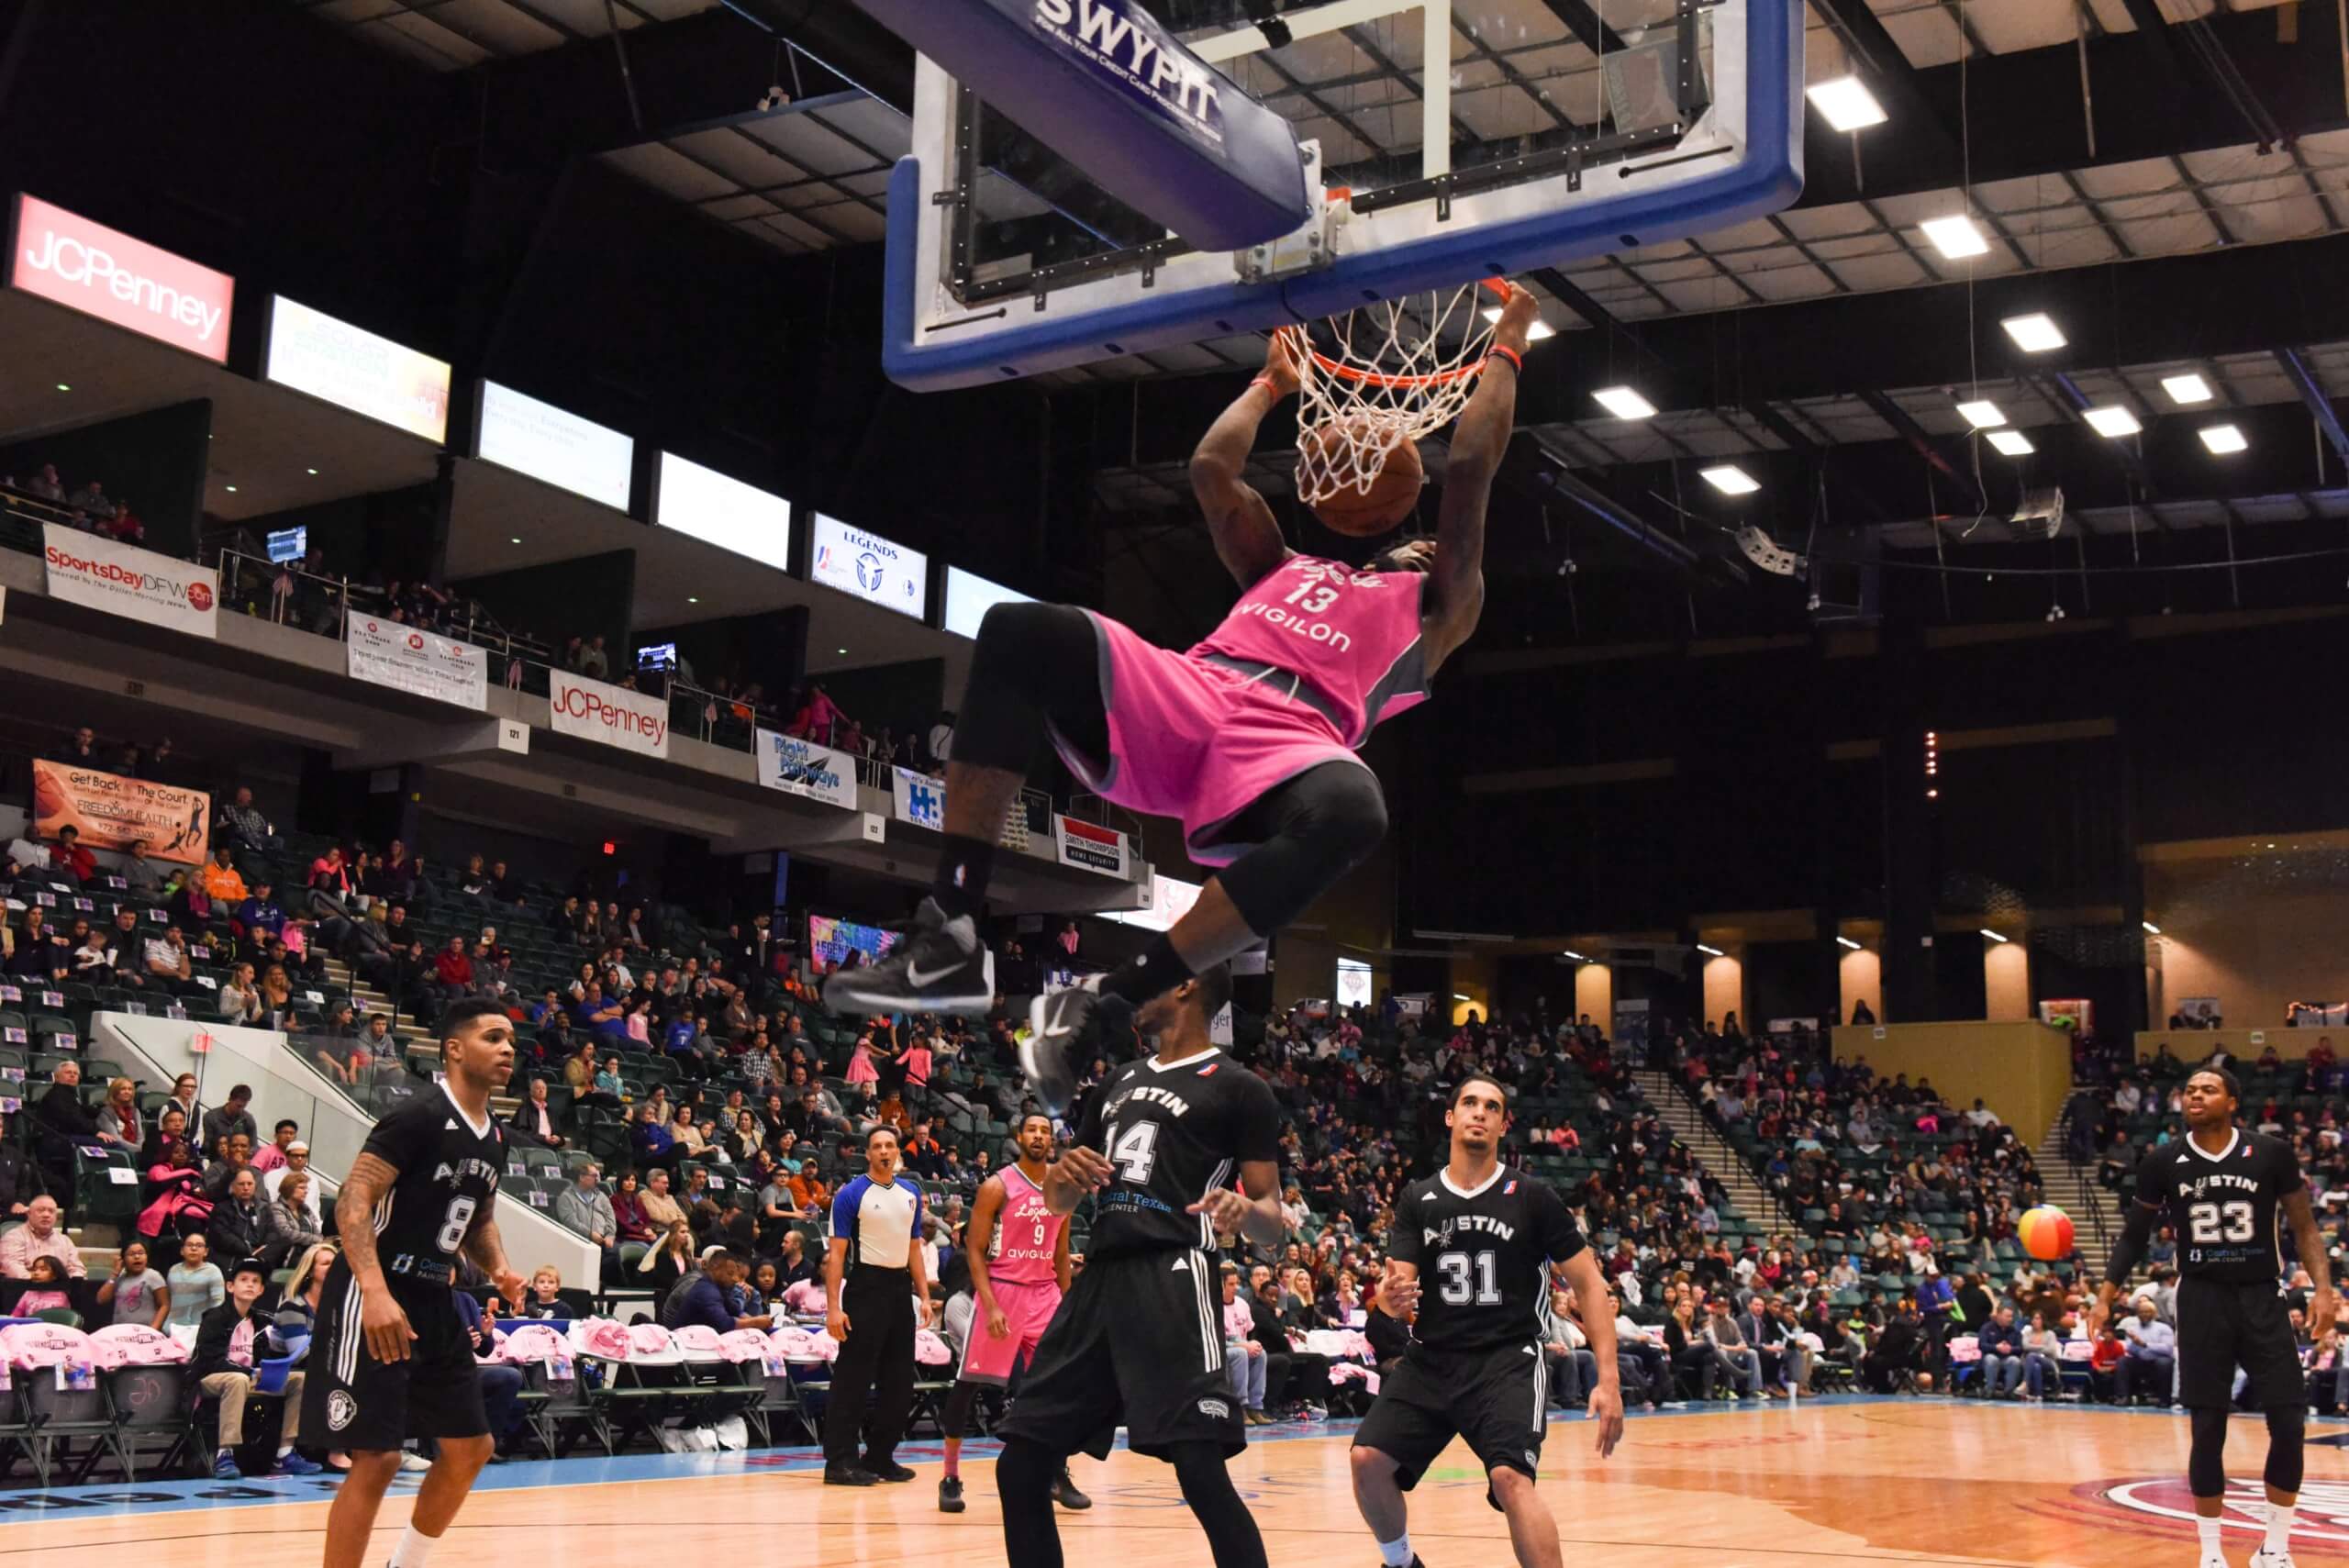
(1713, 950)
(1575, 956)
(1955, 237)
(2013, 443)
(691, 600)
(1849, 943)
(2111, 420)
(2035, 333)
(843, 651)
(232, 490)
(2150, 930)
(2186, 388)
(1993, 935)
(1461, 996)
(1624, 402)
(311, 472)
(1729, 479)
(2223, 439)
(1981, 413)
(516, 539)
(1845, 104)
(63, 387)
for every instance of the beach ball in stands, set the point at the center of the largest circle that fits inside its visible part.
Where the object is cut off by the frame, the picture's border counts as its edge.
(2047, 1233)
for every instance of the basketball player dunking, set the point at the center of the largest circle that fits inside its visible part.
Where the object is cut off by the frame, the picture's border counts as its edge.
(1249, 738)
(1488, 1236)
(1019, 1270)
(1138, 1341)
(392, 1359)
(2220, 1189)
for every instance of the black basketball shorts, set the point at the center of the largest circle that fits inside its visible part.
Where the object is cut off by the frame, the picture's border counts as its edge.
(2223, 1324)
(1497, 1399)
(350, 1400)
(1138, 1341)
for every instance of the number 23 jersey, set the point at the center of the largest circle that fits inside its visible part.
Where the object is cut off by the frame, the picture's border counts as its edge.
(1484, 1257)
(2222, 1206)
(1171, 1133)
(447, 1169)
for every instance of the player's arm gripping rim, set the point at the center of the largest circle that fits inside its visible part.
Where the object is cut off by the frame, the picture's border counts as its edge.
(979, 1236)
(487, 1248)
(2309, 1244)
(381, 1321)
(1581, 1273)
(1455, 591)
(1247, 539)
(1255, 1210)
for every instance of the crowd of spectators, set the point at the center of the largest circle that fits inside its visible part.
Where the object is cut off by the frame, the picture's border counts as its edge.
(84, 505)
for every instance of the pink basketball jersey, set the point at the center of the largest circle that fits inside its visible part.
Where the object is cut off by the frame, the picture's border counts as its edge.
(1353, 636)
(1027, 1234)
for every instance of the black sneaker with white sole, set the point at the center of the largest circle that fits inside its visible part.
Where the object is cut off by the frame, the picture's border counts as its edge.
(1061, 1025)
(940, 967)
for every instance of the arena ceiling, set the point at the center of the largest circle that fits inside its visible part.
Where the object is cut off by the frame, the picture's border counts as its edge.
(2167, 179)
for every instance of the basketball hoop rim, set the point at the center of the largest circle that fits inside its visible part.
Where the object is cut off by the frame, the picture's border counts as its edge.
(1499, 286)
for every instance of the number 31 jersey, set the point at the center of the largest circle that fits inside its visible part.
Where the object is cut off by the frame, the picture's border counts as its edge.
(447, 1169)
(1484, 1257)
(2222, 1206)
(1171, 1133)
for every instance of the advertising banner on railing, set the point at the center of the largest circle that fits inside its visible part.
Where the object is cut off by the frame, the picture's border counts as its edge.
(805, 769)
(385, 653)
(921, 800)
(630, 720)
(125, 580)
(1089, 847)
(111, 811)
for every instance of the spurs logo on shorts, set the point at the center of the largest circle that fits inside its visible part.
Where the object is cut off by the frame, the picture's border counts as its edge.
(1216, 1408)
(341, 1410)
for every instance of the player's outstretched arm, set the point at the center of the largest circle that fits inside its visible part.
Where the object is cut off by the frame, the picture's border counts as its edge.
(977, 1236)
(1479, 441)
(487, 1248)
(2308, 1242)
(2135, 1232)
(1599, 1327)
(381, 1322)
(1247, 541)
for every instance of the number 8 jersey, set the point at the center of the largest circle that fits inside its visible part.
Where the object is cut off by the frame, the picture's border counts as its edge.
(1484, 1257)
(1171, 1133)
(2223, 1206)
(448, 1168)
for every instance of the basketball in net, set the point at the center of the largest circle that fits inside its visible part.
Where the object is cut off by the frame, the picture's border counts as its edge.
(1372, 383)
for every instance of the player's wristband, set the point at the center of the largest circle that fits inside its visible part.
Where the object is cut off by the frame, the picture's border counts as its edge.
(1516, 361)
(1266, 383)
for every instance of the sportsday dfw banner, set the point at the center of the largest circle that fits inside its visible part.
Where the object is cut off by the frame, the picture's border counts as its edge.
(629, 720)
(1090, 848)
(385, 653)
(123, 580)
(803, 768)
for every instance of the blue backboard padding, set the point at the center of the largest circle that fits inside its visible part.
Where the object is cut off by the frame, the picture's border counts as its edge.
(1105, 84)
(1767, 178)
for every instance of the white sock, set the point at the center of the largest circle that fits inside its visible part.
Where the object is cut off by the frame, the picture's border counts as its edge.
(2280, 1526)
(284, 1449)
(1397, 1553)
(2207, 1530)
(414, 1548)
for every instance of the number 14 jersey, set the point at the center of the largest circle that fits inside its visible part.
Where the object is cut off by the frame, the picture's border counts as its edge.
(1484, 1257)
(2222, 1206)
(1172, 1133)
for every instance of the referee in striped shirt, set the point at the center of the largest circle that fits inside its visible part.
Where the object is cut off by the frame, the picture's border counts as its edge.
(875, 1217)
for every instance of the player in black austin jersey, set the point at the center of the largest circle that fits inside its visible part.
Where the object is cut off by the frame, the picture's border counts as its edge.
(390, 1359)
(1139, 1339)
(1472, 1252)
(2219, 1188)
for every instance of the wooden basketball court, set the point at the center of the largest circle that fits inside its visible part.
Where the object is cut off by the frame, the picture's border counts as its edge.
(1845, 1481)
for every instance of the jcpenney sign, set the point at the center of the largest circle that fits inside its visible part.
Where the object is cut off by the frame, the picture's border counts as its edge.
(613, 715)
(123, 580)
(96, 270)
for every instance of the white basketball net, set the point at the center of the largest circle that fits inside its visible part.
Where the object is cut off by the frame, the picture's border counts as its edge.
(1380, 375)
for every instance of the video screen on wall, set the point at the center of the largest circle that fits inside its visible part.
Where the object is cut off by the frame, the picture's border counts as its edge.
(1353, 982)
(830, 941)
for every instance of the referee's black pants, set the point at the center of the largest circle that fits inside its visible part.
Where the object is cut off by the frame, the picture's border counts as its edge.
(872, 1380)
